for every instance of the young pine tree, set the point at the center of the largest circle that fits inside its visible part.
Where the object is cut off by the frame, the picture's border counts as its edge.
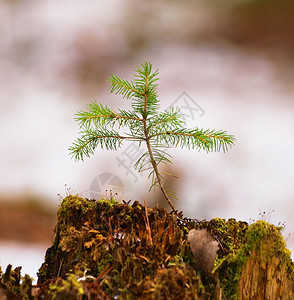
(154, 129)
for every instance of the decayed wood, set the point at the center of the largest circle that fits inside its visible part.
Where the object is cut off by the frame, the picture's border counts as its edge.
(268, 272)
(269, 281)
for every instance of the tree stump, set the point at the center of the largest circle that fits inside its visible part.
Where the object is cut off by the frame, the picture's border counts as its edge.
(268, 271)
(108, 250)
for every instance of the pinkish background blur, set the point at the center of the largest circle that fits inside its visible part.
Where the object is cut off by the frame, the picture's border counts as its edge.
(233, 59)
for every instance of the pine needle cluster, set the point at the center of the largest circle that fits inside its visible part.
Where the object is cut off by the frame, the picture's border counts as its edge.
(101, 126)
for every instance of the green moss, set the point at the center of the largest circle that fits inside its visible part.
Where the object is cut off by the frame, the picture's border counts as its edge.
(106, 260)
(70, 287)
(229, 273)
(110, 203)
(261, 231)
(267, 240)
(71, 204)
(231, 232)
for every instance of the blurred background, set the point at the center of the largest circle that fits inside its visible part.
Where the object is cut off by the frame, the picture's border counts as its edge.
(228, 65)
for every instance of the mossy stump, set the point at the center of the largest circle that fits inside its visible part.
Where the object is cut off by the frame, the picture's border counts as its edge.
(108, 250)
(268, 271)
(261, 268)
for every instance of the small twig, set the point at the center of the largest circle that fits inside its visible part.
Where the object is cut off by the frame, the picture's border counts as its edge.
(147, 224)
(106, 270)
(60, 265)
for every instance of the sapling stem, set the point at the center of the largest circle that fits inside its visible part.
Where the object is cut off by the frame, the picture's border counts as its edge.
(154, 165)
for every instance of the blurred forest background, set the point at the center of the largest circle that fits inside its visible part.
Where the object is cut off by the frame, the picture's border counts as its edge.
(229, 64)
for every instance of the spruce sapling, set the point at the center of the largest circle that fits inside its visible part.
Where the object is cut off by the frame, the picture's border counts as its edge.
(147, 125)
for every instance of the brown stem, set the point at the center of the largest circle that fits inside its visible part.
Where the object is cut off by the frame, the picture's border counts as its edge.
(147, 138)
(154, 165)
